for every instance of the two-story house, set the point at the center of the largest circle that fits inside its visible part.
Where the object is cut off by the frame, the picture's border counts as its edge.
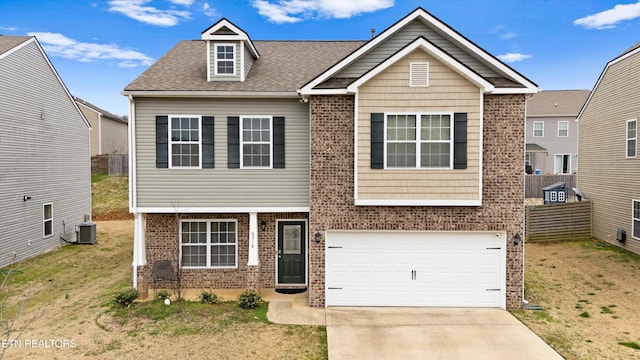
(108, 131)
(370, 173)
(552, 131)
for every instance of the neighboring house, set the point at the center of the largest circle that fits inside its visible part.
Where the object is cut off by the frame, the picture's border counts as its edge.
(108, 131)
(608, 146)
(371, 173)
(552, 131)
(45, 170)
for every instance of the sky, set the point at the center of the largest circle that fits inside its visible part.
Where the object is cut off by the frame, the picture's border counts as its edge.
(99, 46)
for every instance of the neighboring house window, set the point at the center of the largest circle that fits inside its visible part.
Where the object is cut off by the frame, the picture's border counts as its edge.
(255, 141)
(632, 136)
(527, 159)
(538, 129)
(208, 244)
(636, 219)
(184, 143)
(563, 164)
(47, 220)
(418, 141)
(563, 128)
(225, 59)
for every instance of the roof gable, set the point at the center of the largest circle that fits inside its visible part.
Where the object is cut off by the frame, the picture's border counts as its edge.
(226, 30)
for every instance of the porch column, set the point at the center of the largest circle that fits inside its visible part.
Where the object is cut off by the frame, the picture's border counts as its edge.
(139, 251)
(253, 264)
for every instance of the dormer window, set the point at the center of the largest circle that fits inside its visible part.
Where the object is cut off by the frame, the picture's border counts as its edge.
(225, 59)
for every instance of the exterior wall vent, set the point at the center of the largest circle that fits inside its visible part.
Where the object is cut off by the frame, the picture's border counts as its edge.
(419, 74)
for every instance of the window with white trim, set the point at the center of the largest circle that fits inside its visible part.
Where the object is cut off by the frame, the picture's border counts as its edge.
(632, 137)
(418, 141)
(563, 128)
(209, 244)
(562, 164)
(225, 59)
(636, 219)
(47, 220)
(256, 142)
(538, 128)
(184, 141)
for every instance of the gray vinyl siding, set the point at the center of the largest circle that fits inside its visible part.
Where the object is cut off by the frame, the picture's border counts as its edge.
(554, 144)
(405, 36)
(606, 176)
(221, 186)
(248, 61)
(212, 66)
(46, 159)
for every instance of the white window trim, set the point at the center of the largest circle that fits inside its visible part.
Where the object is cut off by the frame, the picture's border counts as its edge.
(567, 128)
(215, 57)
(633, 219)
(242, 117)
(207, 244)
(45, 220)
(555, 164)
(627, 138)
(541, 129)
(414, 67)
(418, 141)
(171, 142)
(562, 196)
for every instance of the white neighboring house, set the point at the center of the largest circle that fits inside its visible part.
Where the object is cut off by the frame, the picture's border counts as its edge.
(45, 168)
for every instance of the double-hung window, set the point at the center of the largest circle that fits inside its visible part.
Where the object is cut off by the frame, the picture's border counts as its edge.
(636, 219)
(47, 220)
(632, 137)
(208, 244)
(563, 128)
(185, 141)
(538, 129)
(256, 141)
(418, 141)
(225, 59)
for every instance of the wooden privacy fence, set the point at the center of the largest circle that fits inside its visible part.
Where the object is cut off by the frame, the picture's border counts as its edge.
(119, 165)
(555, 222)
(535, 183)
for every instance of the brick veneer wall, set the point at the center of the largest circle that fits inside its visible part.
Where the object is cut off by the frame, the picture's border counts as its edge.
(332, 188)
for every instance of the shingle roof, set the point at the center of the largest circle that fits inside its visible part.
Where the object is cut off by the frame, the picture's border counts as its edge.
(557, 103)
(284, 66)
(9, 42)
(104, 113)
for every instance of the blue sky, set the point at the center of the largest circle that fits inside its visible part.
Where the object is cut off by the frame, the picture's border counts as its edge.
(99, 46)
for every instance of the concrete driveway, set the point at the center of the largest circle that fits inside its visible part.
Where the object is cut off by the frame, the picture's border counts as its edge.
(430, 333)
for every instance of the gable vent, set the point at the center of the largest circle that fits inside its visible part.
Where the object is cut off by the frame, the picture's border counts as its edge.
(419, 74)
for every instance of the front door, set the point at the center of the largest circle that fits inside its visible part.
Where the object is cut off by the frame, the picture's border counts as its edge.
(291, 252)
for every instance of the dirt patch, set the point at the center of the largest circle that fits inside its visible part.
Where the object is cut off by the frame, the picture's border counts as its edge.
(588, 292)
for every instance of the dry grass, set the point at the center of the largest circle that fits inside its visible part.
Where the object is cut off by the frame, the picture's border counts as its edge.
(589, 294)
(110, 197)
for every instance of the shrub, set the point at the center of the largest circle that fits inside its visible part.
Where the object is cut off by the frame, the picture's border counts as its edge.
(162, 295)
(249, 300)
(125, 297)
(207, 297)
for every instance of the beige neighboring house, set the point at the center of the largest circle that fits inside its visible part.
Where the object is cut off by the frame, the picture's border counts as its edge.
(552, 131)
(608, 145)
(108, 131)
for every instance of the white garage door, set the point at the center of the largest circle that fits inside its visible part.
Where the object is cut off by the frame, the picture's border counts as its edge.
(448, 269)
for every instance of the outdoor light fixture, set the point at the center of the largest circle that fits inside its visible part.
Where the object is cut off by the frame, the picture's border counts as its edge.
(264, 225)
(26, 197)
(318, 236)
(516, 239)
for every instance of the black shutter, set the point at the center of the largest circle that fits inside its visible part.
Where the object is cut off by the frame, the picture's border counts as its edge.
(377, 140)
(162, 142)
(460, 140)
(207, 143)
(233, 142)
(278, 142)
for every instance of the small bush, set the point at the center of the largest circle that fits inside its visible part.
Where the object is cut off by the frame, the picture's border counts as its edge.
(162, 295)
(125, 297)
(249, 300)
(207, 297)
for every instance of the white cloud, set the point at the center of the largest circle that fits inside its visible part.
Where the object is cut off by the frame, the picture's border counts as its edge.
(610, 18)
(55, 44)
(291, 11)
(210, 12)
(8, 28)
(136, 10)
(513, 57)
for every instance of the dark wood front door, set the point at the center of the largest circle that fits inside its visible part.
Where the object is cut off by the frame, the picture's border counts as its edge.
(292, 240)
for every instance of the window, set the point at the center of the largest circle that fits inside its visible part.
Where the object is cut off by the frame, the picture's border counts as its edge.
(538, 129)
(636, 219)
(418, 141)
(561, 196)
(225, 59)
(563, 164)
(563, 128)
(47, 220)
(184, 141)
(631, 138)
(208, 244)
(256, 142)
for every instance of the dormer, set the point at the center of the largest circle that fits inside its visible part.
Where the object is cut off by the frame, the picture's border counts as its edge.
(230, 52)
